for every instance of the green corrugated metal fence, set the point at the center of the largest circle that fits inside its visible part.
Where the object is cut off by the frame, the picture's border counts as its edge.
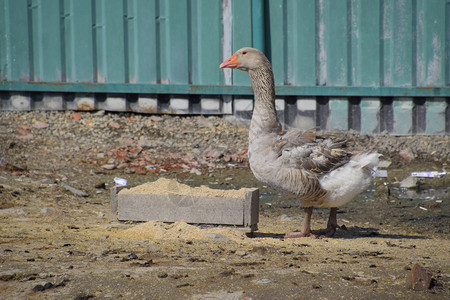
(368, 65)
(110, 41)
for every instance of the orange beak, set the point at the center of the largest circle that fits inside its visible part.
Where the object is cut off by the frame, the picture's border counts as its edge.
(232, 62)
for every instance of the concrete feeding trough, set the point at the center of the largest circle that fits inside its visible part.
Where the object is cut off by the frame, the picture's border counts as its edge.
(169, 201)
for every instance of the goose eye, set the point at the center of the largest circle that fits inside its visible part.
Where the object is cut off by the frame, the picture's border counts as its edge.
(245, 52)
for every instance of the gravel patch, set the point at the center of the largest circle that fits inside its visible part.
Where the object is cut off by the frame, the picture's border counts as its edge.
(161, 143)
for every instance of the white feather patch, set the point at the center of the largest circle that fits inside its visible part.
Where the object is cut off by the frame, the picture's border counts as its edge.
(344, 183)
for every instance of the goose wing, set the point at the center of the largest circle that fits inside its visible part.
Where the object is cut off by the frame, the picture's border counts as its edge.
(304, 150)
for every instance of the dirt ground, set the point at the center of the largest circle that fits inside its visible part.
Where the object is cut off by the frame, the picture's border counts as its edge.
(55, 244)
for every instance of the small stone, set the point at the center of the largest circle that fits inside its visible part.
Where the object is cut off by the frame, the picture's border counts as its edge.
(48, 285)
(204, 122)
(418, 279)
(21, 212)
(100, 113)
(212, 152)
(184, 285)
(156, 119)
(217, 237)
(109, 166)
(144, 143)
(47, 210)
(101, 185)
(409, 182)
(384, 164)
(26, 137)
(227, 273)
(76, 116)
(262, 250)
(74, 190)
(264, 281)
(196, 171)
(179, 276)
(114, 125)
(407, 154)
(43, 275)
(84, 297)
(40, 125)
(12, 210)
(38, 288)
(285, 218)
(130, 256)
(127, 142)
(23, 130)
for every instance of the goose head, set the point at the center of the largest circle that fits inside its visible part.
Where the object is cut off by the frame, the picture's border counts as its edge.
(246, 59)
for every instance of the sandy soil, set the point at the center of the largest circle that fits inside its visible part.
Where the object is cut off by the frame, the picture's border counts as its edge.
(57, 245)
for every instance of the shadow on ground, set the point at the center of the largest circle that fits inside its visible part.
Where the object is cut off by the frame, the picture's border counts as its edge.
(344, 232)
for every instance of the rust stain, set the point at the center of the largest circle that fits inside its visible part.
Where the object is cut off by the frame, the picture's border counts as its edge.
(148, 109)
(56, 83)
(85, 106)
(194, 88)
(49, 83)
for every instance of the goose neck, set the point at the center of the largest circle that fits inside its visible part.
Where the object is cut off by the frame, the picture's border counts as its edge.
(264, 117)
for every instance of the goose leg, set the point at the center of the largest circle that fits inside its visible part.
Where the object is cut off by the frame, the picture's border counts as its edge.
(332, 224)
(306, 228)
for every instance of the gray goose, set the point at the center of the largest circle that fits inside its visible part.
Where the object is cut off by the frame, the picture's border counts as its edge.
(319, 172)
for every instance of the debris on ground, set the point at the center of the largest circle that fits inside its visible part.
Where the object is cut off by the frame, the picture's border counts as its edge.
(418, 278)
(55, 244)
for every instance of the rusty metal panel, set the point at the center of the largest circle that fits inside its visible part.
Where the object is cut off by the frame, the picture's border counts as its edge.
(110, 42)
(311, 43)
(332, 46)
(276, 11)
(300, 43)
(397, 43)
(141, 25)
(45, 54)
(78, 43)
(372, 66)
(447, 43)
(174, 41)
(364, 19)
(109, 23)
(430, 43)
(242, 34)
(206, 32)
(14, 41)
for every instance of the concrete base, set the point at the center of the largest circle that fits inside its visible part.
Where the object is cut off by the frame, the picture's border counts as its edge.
(242, 212)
